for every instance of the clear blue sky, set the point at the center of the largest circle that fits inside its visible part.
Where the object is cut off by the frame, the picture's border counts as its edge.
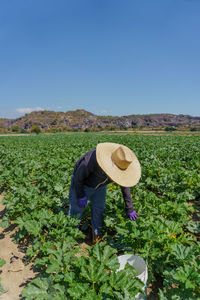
(110, 57)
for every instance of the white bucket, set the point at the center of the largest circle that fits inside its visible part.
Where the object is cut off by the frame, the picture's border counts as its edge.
(139, 264)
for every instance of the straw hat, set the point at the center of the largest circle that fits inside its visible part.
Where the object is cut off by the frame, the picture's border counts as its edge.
(119, 163)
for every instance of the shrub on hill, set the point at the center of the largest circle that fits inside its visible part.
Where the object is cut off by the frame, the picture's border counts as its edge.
(170, 128)
(36, 129)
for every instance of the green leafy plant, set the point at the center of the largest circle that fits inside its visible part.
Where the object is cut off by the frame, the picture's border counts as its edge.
(93, 275)
(35, 175)
(2, 262)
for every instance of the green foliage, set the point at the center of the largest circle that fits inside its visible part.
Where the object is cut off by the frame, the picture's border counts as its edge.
(193, 129)
(2, 262)
(36, 129)
(87, 130)
(15, 128)
(93, 277)
(170, 128)
(1, 288)
(23, 130)
(193, 227)
(35, 174)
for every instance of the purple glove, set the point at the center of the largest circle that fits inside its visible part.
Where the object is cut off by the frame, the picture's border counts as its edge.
(82, 202)
(133, 215)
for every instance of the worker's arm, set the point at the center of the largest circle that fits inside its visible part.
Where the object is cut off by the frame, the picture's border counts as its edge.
(131, 213)
(82, 171)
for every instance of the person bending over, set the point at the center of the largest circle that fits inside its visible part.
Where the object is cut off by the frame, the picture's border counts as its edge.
(109, 162)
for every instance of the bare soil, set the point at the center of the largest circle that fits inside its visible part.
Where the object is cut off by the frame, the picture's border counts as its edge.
(14, 274)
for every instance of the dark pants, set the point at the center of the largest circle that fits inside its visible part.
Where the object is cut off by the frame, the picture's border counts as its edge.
(97, 198)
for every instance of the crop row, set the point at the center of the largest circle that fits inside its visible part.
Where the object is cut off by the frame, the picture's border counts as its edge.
(35, 175)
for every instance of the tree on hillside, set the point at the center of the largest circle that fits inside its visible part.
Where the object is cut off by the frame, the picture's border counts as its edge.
(193, 129)
(15, 128)
(23, 130)
(87, 129)
(36, 129)
(170, 128)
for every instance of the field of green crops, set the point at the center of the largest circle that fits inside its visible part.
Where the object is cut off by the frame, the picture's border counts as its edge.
(35, 175)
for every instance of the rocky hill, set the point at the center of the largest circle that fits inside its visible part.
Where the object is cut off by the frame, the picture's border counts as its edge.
(81, 119)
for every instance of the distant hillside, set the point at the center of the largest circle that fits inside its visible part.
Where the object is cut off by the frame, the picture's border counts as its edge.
(82, 119)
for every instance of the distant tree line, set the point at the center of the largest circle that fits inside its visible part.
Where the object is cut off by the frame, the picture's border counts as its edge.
(37, 129)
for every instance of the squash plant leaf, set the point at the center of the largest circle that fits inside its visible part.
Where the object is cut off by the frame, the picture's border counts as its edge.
(79, 290)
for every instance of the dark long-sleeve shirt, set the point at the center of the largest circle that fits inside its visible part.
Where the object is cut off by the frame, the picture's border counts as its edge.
(88, 172)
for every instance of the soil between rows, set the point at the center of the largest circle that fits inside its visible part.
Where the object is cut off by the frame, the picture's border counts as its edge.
(14, 274)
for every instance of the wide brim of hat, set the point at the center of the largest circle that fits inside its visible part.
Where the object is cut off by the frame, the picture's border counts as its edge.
(126, 178)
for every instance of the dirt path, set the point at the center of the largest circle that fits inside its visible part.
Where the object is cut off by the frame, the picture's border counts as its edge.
(15, 275)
